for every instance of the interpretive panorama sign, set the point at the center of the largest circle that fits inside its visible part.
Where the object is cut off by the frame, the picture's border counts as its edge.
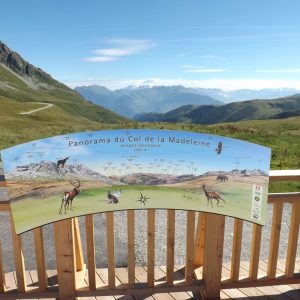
(83, 173)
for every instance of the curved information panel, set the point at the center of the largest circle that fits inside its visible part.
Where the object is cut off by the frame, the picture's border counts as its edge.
(77, 174)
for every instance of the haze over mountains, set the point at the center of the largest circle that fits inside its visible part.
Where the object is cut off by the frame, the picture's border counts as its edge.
(133, 101)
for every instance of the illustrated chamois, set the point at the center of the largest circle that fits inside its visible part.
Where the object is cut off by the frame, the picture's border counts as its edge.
(61, 162)
(67, 197)
(212, 195)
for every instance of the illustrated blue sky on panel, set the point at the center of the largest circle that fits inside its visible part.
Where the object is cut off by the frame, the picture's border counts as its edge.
(106, 170)
(143, 151)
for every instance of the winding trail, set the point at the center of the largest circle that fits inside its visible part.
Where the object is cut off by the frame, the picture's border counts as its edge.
(48, 105)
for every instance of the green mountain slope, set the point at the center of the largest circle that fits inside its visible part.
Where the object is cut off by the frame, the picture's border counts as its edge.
(232, 112)
(21, 81)
(22, 84)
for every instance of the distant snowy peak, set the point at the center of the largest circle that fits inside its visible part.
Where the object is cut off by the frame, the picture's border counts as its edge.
(49, 170)
(237, 172)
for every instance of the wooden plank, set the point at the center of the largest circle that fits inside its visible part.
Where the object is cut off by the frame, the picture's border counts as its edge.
(65, 258)
(141, 291)
(11, 283)
(90, 246)
(249, 292)
(172, 295)
(288, 291)
(142, 277)
(284, 175)
(2, 275)
(283, 197)
(195, 294)
(18, 258)
(52, 278)
(214, 242)
(236, 249)
(122, 281)
(255, 251)
(293, 240)
(5, 206)
(190, 238)
(150, 246)
(275, 236)
(131, 247)
(200, 240)
(40, 258)
(235, 294)
(110, 234)
(78, 246)
(170, 245)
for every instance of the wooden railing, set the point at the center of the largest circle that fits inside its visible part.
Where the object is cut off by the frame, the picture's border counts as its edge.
(203, 270)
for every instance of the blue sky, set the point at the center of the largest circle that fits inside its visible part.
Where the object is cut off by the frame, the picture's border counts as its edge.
(214, 43)
(186, 158)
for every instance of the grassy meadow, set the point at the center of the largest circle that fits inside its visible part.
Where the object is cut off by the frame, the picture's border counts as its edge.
(30, 213)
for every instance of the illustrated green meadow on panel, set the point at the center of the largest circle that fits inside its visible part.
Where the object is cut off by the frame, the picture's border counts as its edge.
(77, 174)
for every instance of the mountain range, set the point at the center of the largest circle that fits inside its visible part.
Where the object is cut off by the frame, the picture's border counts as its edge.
(132, 101)
(48, 170)
(232, 112)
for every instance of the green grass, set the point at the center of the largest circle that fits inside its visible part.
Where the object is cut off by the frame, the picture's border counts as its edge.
(28, 214)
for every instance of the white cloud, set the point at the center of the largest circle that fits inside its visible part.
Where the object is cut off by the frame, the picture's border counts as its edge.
(292, 70)
(99, 59)
(121, 47)
(200, 69)
(224, 84)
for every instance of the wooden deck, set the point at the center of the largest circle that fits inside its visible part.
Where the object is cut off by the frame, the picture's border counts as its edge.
(278, 292)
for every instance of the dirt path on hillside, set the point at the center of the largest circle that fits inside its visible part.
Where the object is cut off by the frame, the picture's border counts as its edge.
(48, 105)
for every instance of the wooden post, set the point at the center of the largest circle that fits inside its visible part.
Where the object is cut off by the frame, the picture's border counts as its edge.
(2, 277)
(274, 243)
(131, 248)
(79, 261)
(110, 236)
(255, 250)
(90, 245)
(78, 247)
(150, 246)
(65, 258)
(293, 239)
(18, 257)
(236, 249)
(200, 240)
(40, 258)
(170, 246)
(190, 255)
(212, 269)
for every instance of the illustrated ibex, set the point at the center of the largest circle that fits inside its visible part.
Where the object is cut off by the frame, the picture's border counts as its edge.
(67, 197)
(212, 195)
(62, 162)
